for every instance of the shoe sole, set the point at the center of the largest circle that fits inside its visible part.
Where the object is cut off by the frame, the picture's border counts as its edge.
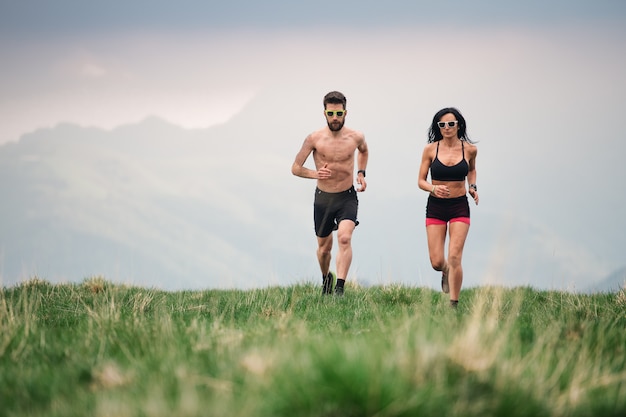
(445, 287)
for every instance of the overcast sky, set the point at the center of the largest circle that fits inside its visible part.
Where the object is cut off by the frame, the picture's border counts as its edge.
(75, 17)
(196, 63)
(541, 83)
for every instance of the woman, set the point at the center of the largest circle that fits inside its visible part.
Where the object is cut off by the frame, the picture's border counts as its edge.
(451, 158)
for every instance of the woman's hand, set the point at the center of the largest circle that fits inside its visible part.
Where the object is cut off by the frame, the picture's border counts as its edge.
(474, 195)
(441, 191)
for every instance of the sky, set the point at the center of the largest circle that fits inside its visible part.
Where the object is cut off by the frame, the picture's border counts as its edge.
(196, 63)
(541, 84)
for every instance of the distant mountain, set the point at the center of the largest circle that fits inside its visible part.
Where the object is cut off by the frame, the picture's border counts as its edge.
(616, 281)
(153, 204)
(150, 203)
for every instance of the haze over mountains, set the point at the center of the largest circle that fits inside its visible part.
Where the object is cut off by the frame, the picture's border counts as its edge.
(156, 205)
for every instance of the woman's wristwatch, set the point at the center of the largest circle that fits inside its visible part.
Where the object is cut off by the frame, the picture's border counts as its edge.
(473, 186)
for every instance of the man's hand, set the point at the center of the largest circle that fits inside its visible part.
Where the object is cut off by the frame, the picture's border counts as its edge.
(362, 183)
(324, 173)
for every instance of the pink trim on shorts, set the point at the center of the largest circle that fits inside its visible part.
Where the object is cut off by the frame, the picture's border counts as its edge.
(432, 221)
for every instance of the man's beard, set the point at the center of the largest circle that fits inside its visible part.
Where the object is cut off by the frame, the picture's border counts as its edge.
(336, 127)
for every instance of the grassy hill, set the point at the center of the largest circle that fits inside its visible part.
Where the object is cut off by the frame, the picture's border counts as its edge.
(100, 349)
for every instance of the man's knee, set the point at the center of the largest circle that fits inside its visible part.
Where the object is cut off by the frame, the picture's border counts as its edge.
(323, 251)
(344, 234)
(344, 239)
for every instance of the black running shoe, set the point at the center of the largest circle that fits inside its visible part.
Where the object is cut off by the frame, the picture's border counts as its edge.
(329, 281)
(339, 291)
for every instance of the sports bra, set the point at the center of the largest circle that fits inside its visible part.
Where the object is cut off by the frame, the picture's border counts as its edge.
(441, 172)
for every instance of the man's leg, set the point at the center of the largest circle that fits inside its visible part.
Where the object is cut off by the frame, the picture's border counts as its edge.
(324, 247)
(344, 252)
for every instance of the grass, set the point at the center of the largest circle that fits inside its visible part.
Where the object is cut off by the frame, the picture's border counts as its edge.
(100, 349)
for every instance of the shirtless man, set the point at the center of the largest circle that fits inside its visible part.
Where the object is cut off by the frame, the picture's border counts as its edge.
(336, 204)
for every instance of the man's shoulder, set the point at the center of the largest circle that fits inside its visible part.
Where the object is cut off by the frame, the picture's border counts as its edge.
(346, 133)
(352, 133)
(321, 131)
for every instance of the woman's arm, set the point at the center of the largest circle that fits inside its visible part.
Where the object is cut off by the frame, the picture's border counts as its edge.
(422, 180)
(471, 175)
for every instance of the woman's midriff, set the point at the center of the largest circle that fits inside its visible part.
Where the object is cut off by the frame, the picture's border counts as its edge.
(457, 188)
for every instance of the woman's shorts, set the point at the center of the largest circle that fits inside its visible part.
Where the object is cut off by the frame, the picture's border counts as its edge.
(444, 210)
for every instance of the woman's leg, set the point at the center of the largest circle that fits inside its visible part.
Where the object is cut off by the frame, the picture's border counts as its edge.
(436, 235)
(458, 234)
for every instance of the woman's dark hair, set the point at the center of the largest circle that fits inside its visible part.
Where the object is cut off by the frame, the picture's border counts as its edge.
(335, 97)
(434, 133)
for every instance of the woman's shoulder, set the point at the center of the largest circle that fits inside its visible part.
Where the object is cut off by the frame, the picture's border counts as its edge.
(429, 150)
(470, 146)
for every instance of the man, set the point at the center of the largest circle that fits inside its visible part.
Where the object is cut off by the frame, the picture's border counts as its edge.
(336, 204)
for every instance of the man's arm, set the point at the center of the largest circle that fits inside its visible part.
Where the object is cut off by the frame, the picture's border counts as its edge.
(297, 168)
(361, 161)
(362, 155)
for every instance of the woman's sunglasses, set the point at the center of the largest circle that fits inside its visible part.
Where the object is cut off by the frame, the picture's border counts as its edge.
(450, 124)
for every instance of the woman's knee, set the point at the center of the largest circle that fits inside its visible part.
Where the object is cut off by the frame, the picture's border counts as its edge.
(437, 263)
(454, 260)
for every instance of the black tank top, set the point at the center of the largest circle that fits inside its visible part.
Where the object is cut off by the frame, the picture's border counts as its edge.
(441, 172)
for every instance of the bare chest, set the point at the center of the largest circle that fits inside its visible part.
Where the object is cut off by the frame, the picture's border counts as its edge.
(335, 150)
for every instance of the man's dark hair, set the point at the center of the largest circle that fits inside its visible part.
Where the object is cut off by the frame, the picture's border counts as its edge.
(335, 97)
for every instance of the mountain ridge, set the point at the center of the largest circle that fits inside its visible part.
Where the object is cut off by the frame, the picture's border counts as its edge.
(153, 203)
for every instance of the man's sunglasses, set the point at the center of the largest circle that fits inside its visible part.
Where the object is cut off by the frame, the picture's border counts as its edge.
(450, 124)
(339, 113)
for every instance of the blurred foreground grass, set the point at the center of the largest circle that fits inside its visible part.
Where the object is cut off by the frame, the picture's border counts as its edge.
(98, 349)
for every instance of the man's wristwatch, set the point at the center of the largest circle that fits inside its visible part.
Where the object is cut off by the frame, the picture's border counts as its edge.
(473, 186)
(361, 171)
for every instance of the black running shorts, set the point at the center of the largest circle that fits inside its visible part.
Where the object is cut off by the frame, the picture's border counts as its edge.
(446, 209)
(329, 209)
